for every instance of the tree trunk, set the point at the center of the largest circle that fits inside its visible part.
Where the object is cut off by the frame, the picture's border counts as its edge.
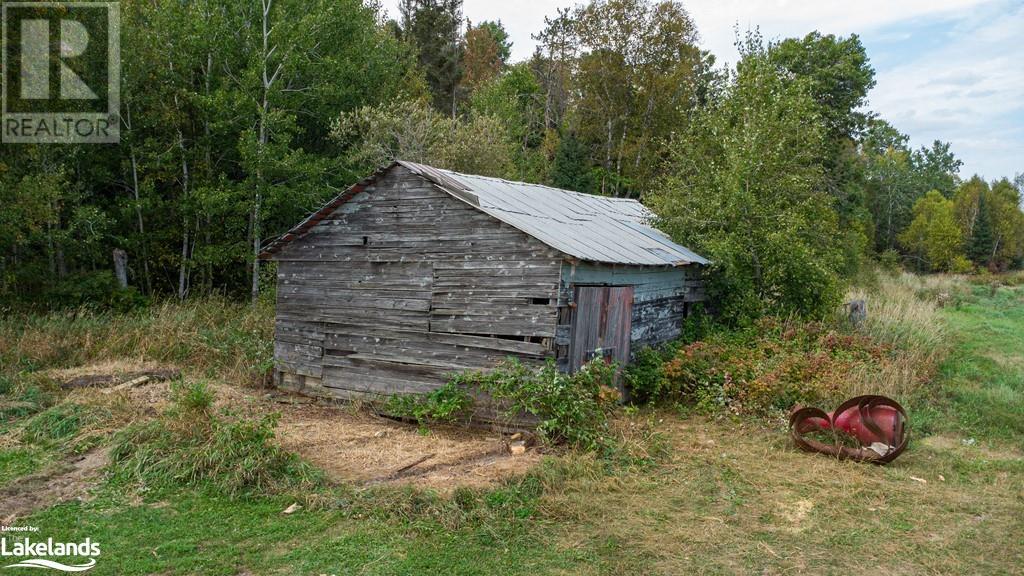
(268, 80)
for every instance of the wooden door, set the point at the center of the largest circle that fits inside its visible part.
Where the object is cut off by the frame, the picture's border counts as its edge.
(601, 324)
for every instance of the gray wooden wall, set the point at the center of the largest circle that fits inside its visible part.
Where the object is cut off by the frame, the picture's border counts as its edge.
(660, 299)
(403, 285)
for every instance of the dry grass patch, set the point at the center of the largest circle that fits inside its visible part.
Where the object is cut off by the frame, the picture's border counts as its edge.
(736, 498)
(354, 446)
(904, 314)
(209, 336)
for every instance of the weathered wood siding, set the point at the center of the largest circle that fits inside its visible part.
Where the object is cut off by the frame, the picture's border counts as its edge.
(403, 285)
(661, 299)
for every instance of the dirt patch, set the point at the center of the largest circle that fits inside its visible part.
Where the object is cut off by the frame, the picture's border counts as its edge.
(66, 481)
(967, 447)
(349, 444)
(111, 369)
(360, 447)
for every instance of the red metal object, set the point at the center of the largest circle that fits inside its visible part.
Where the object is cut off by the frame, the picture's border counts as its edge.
(876, 422)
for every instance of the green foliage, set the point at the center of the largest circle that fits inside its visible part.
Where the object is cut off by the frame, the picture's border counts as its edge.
(193, 446)
(17, 463)
(571, 408)
(838, 72)
(223, 144)
(97, 290)
(645, 375)
(448, 403)
(744, 191)
(20, 398)
(571, 169)
(500, 35)
(412, 130)
(434, 28)
(192, 397)
(933, 234)
(890, 260)
(516, 101)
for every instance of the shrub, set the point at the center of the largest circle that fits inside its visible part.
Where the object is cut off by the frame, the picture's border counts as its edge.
(645, 376)
(890, 260)
(571, 408)
(765, 368)
(446, 404)
(98, 290)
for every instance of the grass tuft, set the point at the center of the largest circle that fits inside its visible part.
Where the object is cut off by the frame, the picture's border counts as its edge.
(192, 446)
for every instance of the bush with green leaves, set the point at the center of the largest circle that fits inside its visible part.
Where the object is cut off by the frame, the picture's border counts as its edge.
(446, 404)
(96, 290)
(745, 188)
(767, 367)
(571, 408)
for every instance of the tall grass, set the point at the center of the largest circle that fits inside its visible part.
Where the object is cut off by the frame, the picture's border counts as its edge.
(904, 314)
(213, 336)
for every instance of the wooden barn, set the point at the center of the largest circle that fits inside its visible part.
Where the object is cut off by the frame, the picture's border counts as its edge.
(416, 272)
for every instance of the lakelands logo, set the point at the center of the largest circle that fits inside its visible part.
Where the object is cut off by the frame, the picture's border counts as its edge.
(29, 553)
(61, 72)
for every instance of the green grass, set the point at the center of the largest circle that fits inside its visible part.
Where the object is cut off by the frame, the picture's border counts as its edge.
(189, 533)
(984, 378)
(19, 462)
(728, 496)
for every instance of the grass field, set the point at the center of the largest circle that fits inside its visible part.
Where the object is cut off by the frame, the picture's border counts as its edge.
(710, 494)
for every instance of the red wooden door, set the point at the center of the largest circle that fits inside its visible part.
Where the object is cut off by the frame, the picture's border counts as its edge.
(601, 324)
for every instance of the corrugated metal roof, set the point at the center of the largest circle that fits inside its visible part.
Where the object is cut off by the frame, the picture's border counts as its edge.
(588, 227)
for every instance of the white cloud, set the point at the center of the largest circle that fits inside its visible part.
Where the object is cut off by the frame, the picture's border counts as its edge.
(969, 91)
(786, 18)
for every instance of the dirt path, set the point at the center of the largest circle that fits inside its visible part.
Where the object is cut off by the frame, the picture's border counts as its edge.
(65, 481)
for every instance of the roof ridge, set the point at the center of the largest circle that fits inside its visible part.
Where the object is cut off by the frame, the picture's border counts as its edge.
(535, 185)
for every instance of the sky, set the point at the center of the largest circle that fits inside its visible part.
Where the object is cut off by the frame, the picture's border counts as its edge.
(950, 70)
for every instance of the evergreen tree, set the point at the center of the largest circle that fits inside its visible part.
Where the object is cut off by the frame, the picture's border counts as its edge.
(434, 27)
(981, 241)
(571, 168)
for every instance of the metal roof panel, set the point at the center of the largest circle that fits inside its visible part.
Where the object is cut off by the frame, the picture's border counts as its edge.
(585, 226)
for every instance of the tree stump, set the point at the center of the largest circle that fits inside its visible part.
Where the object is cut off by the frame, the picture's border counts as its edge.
(121, 267)
(858, 311)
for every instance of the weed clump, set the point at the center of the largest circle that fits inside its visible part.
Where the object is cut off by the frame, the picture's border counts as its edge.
(448, 403)
(20, 397)
(570, 408)
(58, 423)
(192, 445)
